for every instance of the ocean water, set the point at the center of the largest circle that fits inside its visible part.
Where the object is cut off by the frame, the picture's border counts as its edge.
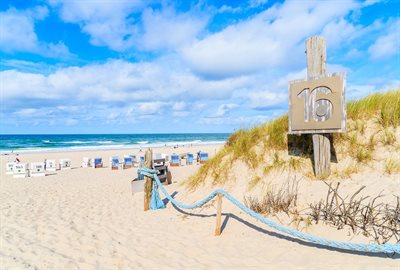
(69, 142)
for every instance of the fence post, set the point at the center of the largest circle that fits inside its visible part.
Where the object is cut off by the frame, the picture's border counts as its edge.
(219, 209)
(316, 65)
(148, 185)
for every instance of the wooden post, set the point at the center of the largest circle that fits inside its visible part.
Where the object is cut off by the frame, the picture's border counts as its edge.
(148, 185)
(316, 66)
(219, 209)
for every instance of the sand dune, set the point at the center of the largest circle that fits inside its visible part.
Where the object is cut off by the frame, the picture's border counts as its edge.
(88, 219)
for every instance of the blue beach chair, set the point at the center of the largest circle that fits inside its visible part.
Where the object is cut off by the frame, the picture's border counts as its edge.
(128, 162)
(98, 163)
(175, 160)
(114, 163)
(189, 159)
(141, 161)
(203, 157)
(134, 159)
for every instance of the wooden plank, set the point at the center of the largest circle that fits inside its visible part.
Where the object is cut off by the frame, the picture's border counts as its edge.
(160, 167)
(316, 66)
(148, 185)
(160, 160)
(319, 126)
(218, 216)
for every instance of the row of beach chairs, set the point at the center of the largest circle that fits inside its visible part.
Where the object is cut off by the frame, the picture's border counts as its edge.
(33, 169)
(116, 163)
(178, 160)
(21, 170)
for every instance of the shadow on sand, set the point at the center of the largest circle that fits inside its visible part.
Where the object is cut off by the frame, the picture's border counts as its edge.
(229, 216)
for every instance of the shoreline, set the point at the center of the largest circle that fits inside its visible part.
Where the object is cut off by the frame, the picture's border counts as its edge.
(76, 157)
(135, 147)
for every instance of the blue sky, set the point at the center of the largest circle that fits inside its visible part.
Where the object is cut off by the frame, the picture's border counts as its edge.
(76, 66)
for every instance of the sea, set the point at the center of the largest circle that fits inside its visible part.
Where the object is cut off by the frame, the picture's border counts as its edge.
(87, 142)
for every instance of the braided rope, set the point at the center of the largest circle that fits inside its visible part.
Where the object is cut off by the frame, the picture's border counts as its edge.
(375, 248)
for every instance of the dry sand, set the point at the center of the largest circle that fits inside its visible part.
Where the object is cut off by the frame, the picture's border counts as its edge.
(87, 218)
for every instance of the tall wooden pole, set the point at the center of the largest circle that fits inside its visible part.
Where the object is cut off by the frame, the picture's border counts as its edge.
(218, 216)
(316, 66)
(148, 185)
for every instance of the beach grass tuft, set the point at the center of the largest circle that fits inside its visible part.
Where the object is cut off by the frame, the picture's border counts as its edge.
(253, 146)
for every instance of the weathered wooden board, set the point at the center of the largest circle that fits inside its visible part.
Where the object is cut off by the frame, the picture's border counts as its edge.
(317, 105)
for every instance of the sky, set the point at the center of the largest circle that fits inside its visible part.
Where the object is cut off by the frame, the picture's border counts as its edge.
(130, 66)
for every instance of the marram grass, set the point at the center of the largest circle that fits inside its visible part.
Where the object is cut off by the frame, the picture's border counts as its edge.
(251, 145)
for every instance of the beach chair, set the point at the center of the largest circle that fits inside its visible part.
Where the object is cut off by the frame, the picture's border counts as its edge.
(134, 160)
(189, 159)
(182, 159)
(203, 157)
(98, 163)
(37, 169)
(128, 162)
(141, 162)
(50, 165)
(163, 173)
(175, 160)
(10, 167)
(86, 162)
(114, 163)
(20, 170)
(65, 164)
(165, 156)
(140, 176)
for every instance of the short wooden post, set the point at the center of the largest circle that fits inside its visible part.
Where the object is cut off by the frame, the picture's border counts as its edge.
(316, 66)
(219, 209)
(148, 185)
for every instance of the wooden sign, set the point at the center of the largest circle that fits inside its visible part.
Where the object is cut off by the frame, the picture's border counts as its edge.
(317, 105)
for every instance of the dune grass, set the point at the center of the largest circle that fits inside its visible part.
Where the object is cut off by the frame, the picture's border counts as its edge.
(386, 105)
(250, 146)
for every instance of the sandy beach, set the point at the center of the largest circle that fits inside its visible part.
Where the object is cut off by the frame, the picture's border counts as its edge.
(87, 218)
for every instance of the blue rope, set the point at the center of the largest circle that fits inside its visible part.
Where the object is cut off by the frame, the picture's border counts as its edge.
(155, 201)
(376, 248)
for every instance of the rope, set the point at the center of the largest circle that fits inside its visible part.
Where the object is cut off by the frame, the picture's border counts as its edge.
(375, 248)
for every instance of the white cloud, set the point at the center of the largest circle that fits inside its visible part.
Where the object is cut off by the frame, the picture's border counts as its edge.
(26, 112)
(223, 109)
(267, 99)
(226, 8)
(179, 106)
(257, 3)
(266, 40)
(18, 34)
(149, 108)
(116, 83)
(106, 22)
(125, 24)
(241, 121)
(167, 29)
(339, 31)
(388, 44)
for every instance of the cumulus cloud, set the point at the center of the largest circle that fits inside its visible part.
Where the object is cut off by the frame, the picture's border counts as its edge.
(106, 22)
(167, 29)
(116, 83)
(126, 24)
(240, 121)
(18, 34)
(223, 109)
(266, 40)
(267, 100)
(388, 44)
